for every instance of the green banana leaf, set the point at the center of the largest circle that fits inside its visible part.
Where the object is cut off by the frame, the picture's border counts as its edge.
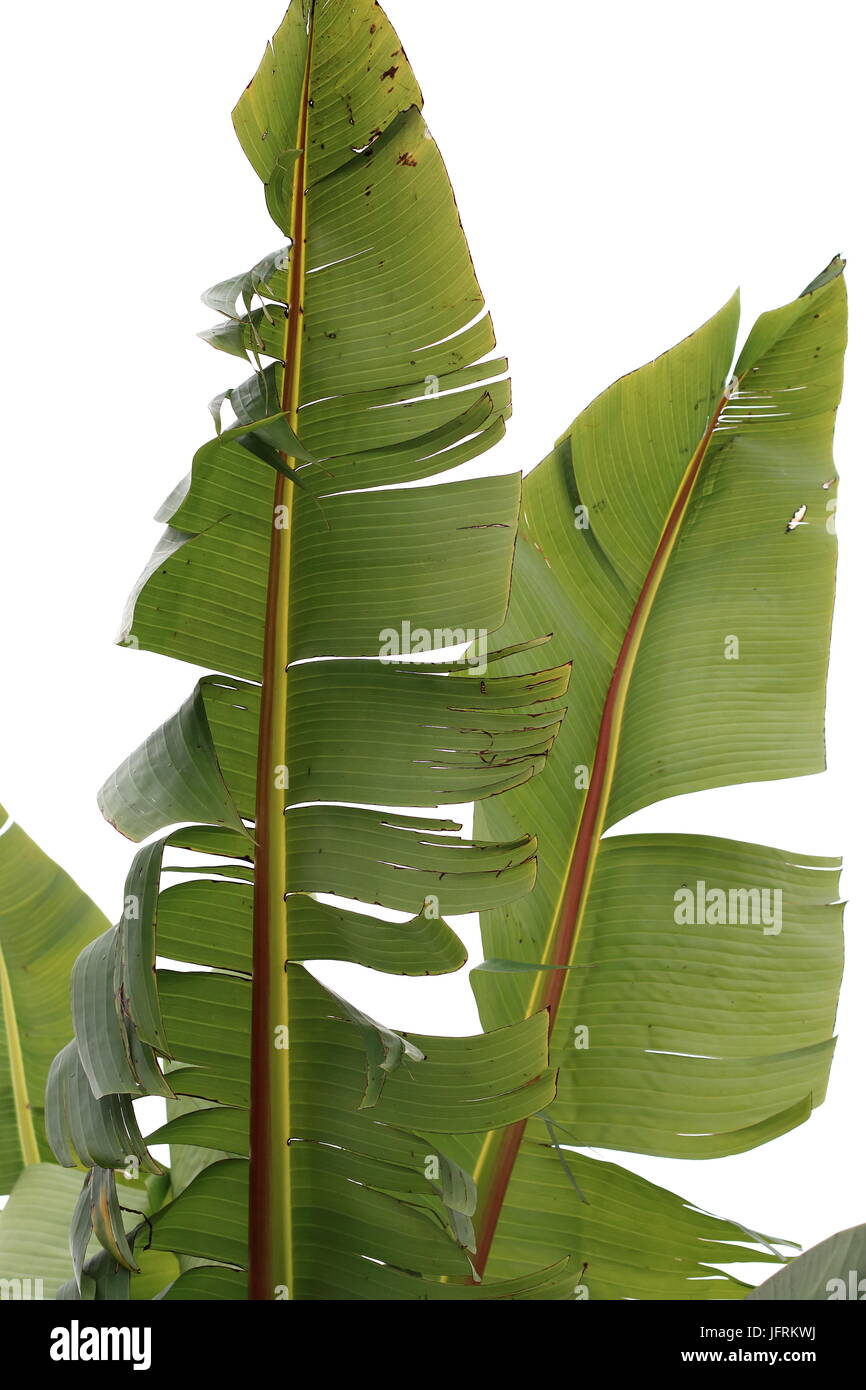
(45, 921)
(297, 572)
(679, 542)
(35, 1261)
(833, 1271)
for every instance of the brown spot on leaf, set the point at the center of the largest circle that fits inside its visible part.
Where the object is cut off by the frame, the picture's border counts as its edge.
(389, 72)
(408, 159)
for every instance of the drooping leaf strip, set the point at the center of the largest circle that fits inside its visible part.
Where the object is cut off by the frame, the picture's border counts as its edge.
(299, 1171)
(656, 544)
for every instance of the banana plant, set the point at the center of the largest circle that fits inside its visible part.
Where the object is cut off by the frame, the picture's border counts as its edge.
(305, 1159)
(316, 1154)
(679, 542)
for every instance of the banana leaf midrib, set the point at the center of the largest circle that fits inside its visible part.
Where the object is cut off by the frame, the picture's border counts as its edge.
(270, 1202)
(565, 928)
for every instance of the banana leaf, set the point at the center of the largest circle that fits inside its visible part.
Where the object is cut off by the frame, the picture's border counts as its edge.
(297, 572)
(679, 541)
(35, 1260)
(45, 921)
(45, 918)
(833, 1271)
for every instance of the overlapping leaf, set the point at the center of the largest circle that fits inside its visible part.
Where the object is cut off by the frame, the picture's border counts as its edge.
(45, 920)
(692, 981)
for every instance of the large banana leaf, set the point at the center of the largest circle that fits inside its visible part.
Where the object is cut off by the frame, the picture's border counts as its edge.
(679, 542)
(292, 571)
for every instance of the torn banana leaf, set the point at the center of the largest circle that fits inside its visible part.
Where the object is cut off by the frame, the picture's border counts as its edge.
(296, 571)
(679, 541)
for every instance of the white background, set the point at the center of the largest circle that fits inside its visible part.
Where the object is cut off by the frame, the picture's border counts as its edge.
(619, 168)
